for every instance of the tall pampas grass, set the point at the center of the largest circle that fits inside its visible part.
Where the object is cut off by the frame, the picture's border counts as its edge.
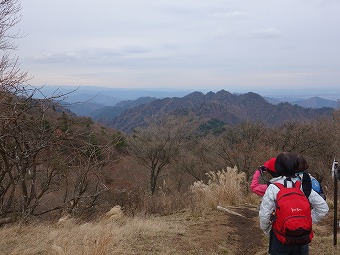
(225, 187)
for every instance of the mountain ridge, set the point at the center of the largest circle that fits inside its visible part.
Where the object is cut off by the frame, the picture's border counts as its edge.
(222, 105)
(316, 102)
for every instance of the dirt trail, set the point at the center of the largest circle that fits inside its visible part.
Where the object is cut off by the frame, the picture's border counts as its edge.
(219, 232)
(250, 237)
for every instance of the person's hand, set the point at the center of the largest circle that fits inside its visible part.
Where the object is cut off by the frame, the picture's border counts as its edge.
(272, 218)
(263, 168)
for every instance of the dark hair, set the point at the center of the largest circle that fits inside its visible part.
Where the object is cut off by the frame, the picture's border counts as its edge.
(303, 165)
(286, 164)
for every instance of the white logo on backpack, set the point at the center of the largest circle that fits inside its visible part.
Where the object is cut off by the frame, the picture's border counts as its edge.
(296, 209)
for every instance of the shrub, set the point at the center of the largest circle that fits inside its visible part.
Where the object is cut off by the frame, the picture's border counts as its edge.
(225, 187)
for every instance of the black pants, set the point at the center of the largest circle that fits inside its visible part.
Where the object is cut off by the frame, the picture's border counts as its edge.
(278, 248)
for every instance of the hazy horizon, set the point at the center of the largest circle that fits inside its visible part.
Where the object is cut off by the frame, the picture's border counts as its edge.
(330, 94)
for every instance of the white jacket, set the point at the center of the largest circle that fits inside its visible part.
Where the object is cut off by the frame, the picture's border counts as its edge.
(319, 205)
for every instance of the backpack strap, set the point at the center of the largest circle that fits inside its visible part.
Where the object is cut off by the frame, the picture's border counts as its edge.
(288, 180)
(306, 184)
(296, 184)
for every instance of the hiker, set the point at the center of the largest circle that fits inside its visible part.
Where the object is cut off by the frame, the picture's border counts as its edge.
(260, 188)
(272, 212)
(309, 182)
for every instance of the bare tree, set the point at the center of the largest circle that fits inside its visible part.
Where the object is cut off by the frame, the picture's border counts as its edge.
(296, 136)
(197, 158)
(41, 154)
(243, 146)
(78, 165)
(12, 79)
(156, 145)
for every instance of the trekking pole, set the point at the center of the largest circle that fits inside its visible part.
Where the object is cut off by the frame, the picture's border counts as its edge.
(336, 177)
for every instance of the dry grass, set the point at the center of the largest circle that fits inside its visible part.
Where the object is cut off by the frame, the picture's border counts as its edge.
(163, 203)
(322, 243)
(115, 233)
(110, 235)
(223, 188)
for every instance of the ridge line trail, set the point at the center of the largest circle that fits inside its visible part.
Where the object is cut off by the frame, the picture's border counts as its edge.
(247, 234)
(218, 232)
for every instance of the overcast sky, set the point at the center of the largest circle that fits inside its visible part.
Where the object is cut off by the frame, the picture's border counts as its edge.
(187, 44)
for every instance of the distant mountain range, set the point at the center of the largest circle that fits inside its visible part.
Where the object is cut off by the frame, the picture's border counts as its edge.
(223, 106)
(313, 102)
(100, 102)
(107, 113)
(125, 109)
(316, 102)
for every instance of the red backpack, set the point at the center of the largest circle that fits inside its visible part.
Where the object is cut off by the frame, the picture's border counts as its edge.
(293, 219)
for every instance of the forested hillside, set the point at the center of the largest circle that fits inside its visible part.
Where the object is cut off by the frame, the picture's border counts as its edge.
(107, 113)
(223, 106)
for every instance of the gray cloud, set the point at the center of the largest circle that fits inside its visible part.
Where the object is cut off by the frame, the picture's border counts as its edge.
(90, 55)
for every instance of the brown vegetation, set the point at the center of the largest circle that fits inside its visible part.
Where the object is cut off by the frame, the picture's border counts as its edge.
(169, 174)
(191, 231)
